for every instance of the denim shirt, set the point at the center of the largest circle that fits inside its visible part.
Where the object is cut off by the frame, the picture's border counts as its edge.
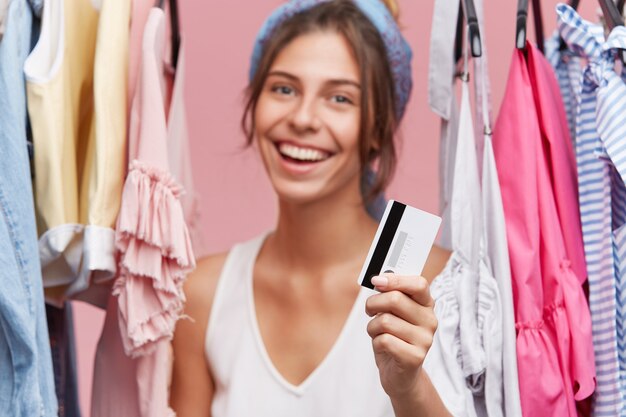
(27, 384)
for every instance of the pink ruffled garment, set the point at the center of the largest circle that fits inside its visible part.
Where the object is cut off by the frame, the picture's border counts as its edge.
(140, 9)
(151, 235)
(133, 360)
(179, 156)
(553, 330)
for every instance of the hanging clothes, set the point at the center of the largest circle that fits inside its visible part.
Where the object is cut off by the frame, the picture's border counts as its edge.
(27, 382)
(457, 354)
(482, 89)
(561, 160)
(467, 352)
(568, 69)
(477, 292)
(120, 397)
(442, 101)
(486, 387)
(497, 391)
(179, 156)
(517, 125)
(562, 244)
(562, 173)
(447, 155)
(76, 100)
(494, 245)
(140, 9)
(551, 346)
(500, 390)
(467, 289)
(152, 235)
(442, 361)
(155, 245)
(600, 154)
(501, 386)
(466, 234)
(62, 345)
(115, 389)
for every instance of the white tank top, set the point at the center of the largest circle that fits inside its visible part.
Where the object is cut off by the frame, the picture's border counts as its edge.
(346, 383)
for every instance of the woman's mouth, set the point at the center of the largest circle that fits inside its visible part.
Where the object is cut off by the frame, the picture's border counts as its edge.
(301, 154)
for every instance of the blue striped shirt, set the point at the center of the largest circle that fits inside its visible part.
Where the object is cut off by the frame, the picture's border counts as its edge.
(568, 70)
(601, 160)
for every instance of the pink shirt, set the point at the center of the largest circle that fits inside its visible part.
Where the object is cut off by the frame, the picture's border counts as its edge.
(133, 361)
(564, 242)
(560, 156)
(552, 316)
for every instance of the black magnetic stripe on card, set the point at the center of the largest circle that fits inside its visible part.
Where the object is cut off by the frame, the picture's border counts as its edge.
(384, 243)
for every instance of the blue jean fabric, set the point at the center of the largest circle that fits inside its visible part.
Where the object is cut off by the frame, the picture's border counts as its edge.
(62, 344)
(26, 376)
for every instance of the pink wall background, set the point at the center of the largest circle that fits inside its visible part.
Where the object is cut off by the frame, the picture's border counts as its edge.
(236, 199)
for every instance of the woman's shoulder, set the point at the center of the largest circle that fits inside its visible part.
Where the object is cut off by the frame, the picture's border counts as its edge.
(201, 284)
(190, 374)
(210, 265)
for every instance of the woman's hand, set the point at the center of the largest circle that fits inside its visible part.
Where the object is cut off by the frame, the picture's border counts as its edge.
(402, 331)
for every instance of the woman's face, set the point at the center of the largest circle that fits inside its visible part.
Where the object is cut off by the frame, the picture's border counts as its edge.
(308, 116)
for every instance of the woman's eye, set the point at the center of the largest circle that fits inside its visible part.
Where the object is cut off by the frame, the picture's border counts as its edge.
(283, 89)
(341, 99)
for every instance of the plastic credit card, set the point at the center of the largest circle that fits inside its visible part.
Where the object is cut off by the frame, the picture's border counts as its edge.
(402, 243)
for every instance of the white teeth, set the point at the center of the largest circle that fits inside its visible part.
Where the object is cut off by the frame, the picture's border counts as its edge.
(303, 154)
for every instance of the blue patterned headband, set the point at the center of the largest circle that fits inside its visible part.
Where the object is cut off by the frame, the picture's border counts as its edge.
(398, 50)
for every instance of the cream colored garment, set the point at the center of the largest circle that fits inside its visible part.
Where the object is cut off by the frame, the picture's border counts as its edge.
(76, 84)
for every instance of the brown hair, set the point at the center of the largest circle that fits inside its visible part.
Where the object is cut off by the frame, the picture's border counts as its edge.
(379, 123)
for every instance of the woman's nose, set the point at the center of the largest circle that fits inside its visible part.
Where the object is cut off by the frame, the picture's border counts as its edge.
(305, 117)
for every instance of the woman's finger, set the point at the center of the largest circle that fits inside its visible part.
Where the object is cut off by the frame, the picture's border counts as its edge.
(403, 307)
(416, 287)
(396, 303)
(388, 323)
(405, 354)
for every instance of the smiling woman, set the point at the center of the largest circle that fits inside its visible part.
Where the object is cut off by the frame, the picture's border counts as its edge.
(281, 328)
(307, 119)
(367, 61)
